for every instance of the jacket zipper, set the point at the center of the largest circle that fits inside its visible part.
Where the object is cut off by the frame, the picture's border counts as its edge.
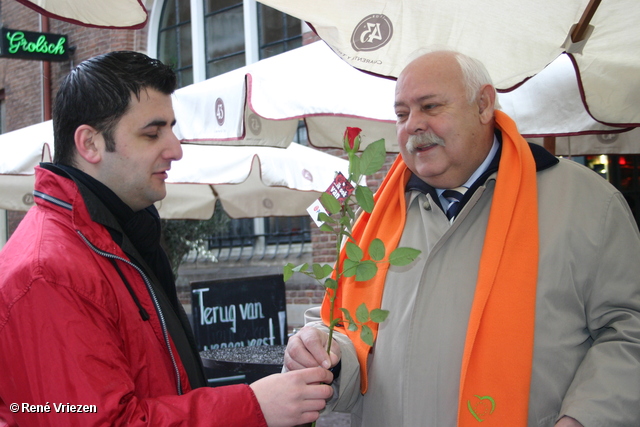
(155, 303)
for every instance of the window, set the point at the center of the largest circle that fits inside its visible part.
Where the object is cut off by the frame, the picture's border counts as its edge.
(223, 41)
(205, 38)
(239, 233)
(248, 238)
(174, 39)
(301, 136)
(224, 36)
(287, 230)
(278, 31)
(624, 172)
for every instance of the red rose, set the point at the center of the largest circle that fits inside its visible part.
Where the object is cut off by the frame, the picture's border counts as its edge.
(352, 139)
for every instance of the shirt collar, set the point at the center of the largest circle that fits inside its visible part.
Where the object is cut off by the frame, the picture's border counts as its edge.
(481, 169)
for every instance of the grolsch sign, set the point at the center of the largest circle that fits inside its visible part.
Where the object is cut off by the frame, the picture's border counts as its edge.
(29, 45)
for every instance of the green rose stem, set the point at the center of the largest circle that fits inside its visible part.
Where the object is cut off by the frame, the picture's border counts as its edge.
(354, 264)
(334, 294)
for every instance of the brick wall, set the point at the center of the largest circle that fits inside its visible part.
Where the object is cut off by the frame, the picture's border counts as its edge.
(21, 79)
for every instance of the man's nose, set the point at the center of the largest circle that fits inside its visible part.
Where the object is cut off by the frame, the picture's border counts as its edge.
(416, 123)
(174, 148)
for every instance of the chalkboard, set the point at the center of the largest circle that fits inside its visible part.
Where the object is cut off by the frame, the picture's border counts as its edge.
(241, 312)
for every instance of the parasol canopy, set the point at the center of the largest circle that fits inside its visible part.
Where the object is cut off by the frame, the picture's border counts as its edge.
(249, 181)
(514, 39)
(125, 14)
(263, 103)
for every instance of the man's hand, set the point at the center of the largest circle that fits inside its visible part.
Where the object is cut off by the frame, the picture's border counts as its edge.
(308, 349)
(293, 398)
(568, 422)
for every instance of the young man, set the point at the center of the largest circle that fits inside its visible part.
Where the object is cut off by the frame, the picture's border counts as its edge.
(89, 314)
(523, 308)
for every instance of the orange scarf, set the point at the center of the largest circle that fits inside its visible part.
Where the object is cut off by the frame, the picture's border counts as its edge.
(498, 353)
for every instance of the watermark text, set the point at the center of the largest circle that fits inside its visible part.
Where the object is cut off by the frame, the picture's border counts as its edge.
(57, 408)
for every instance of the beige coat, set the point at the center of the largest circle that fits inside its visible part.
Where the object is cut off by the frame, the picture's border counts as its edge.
(587, 338)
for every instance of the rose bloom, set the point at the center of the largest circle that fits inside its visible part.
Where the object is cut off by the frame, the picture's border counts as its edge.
(352, 139)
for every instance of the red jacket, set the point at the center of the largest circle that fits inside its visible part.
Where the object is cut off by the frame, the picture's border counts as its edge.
(71, 333)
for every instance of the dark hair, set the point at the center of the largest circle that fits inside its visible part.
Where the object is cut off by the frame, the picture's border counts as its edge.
(98, 93)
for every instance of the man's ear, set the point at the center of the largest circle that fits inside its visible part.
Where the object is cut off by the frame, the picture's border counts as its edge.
(89, 143)
(486, 103)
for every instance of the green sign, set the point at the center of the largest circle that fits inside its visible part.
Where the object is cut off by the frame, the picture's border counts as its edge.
(29, 45)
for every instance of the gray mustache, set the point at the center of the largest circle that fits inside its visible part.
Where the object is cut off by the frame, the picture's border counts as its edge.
(422, 140)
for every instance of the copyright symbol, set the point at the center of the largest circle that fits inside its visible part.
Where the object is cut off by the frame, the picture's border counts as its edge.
(14, 407)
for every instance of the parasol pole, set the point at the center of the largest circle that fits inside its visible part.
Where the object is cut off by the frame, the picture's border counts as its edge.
(579, 31)
(549, 142)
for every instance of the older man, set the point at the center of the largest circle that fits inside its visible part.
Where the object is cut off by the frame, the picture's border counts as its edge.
(524, 306)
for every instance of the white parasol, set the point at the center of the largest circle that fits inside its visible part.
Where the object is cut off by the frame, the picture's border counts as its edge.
(514, 39)
(249, 181)
(263, 103)
(130, 14)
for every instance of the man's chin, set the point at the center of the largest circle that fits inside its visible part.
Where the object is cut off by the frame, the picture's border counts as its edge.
(430, 173)
(159, 195)
(162, 195)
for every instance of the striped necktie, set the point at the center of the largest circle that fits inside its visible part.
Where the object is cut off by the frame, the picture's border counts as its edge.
(454, 196)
